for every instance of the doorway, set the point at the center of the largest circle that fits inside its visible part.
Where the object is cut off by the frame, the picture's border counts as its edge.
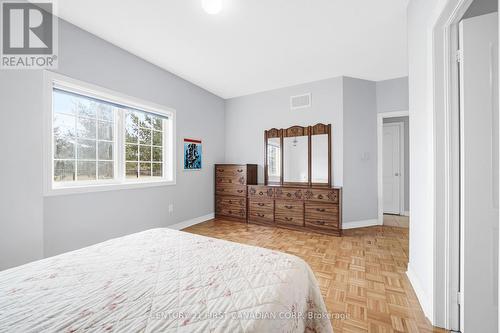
(393, 168)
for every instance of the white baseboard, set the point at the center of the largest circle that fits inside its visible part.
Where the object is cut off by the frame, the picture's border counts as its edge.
(360, 224)
(188, 223)
(423, 298)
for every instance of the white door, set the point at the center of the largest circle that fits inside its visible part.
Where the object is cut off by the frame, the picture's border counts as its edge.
(391, 166)
(479, 173)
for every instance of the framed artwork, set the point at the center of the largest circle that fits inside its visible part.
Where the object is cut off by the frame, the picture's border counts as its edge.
(192, 154)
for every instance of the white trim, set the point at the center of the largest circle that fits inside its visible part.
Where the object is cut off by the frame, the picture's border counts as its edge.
(50, 188)
(424, 299)
(380, 164)
(360, 224)
(188, 223)
(445, 89)
(406, 213)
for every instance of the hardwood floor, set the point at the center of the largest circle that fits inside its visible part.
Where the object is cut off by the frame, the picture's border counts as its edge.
(361, 274)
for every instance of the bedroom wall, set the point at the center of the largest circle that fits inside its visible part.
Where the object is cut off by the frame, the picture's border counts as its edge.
(248, 116)
(33, 226)
(360, 195)
(21, 202)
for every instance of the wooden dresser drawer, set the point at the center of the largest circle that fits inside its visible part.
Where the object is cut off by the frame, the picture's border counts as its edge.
(233, 171)
(237, 202)
(323, 195)
(322, 215)
(261, 211)
(231, 189)
(261, 192)
(289, 212)
(240, 180)
(289, 193)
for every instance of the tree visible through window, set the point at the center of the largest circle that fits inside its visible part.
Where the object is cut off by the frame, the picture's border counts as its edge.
(99, 141)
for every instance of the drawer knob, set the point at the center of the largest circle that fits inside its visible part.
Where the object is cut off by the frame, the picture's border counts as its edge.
(320, 196)
(240, 191)
(289, 195)
(288, 207)
(288, 218)
(320, 209)
(320, 222)
(240, 170)
(261, 193)
(261, 204)
(260, 215)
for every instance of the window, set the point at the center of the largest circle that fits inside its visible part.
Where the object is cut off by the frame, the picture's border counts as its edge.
(101, 140)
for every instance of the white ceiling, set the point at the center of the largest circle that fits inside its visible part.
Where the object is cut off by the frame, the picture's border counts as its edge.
(254, 45)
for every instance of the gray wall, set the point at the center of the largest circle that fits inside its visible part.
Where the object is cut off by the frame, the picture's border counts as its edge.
(360, 195)
(481, 7)
(21, 202)
(249, 116)
(406, 175)
(392, 95)
(68, 222)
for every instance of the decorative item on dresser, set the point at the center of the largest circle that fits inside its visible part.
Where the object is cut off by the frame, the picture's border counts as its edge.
(231, 182)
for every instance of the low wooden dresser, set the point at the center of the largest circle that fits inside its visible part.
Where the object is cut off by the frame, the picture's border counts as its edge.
(231, 182)
(302, 208)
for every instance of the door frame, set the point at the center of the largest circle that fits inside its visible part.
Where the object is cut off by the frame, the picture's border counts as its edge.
(380, 165)
(446, 137)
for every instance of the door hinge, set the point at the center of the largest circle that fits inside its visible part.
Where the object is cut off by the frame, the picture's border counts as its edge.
(460, 298)
(459, 56)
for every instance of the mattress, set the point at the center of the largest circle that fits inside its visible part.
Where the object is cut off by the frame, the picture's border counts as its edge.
(163, 280)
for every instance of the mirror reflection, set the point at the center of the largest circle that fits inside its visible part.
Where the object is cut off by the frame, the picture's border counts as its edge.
(273, 160)
(319, 159)
(295, 156)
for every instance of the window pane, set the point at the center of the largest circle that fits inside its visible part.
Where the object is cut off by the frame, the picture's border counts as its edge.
(131, 119)
(64, 171)
(131, 169)
(131, 134)
(131, 152)
(157, 154)
(64, 147)
(145, 169)
(86, 170)
(85, 128)
(105, 112)
(145, 120)
(157, 123)
(105, 170)
(85, 107)
(157, 138)
(105, 130)
(86, 149)
(63, 102)
(105, 150)
(145, 153)
(157, 169)
(144, 136)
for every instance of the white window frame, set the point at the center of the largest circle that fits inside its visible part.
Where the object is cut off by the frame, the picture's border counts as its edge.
(120, 182)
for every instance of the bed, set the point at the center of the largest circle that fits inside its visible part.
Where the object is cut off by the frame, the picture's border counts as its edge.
(163, 280)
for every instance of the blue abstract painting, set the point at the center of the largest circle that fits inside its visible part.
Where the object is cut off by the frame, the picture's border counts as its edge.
(192, 154)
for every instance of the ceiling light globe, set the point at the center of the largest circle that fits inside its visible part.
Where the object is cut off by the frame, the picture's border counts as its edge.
(212, 7)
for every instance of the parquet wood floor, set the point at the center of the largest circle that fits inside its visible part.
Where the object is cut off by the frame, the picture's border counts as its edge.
(361, 274)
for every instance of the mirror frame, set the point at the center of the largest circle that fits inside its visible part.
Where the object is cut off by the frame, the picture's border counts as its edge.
(309, 131)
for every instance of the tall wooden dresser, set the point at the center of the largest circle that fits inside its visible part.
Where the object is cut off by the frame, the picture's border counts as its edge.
(231, 182)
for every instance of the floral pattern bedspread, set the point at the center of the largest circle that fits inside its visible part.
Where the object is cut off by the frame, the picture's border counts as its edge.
(163, 280)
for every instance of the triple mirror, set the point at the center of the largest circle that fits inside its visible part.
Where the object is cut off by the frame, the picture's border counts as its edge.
(298, 156)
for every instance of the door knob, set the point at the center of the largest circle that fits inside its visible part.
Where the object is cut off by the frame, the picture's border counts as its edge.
(396, 174)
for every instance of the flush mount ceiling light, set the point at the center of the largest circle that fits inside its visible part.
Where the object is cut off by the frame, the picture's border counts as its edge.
(212, 7)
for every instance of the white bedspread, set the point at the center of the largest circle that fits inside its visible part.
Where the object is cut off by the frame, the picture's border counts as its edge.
(163, 280)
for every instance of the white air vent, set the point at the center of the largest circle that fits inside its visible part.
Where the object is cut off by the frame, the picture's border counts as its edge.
(300, 101)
